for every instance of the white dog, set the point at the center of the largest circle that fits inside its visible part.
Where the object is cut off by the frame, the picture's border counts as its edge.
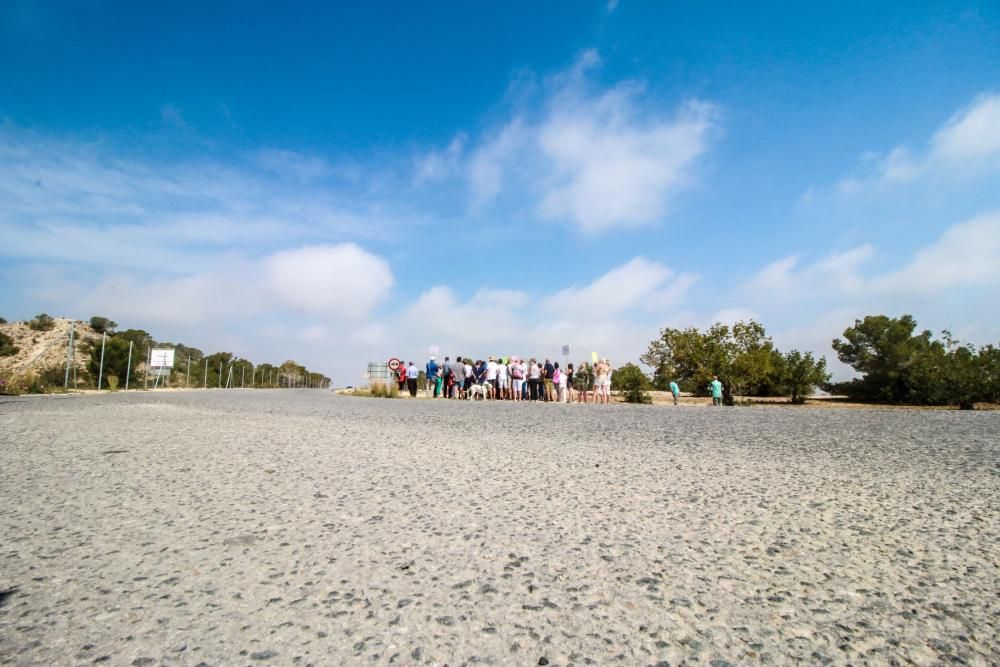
(479, 389)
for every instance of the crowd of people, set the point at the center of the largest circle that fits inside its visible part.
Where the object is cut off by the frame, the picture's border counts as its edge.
(510, 379)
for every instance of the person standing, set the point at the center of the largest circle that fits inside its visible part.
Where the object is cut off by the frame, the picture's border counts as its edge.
(470, 376)
(548, 372)
(411, 379)
(401, 376)
(569, 383)
(675, 391)
(716, 388)
(502, 379)
(491, 377)
(602, 381)
(430, 375)
(458, 373)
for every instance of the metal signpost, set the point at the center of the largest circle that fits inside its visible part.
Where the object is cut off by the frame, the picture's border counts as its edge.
(128, 369)
(100, 369)
(162, 361)
(69, 354)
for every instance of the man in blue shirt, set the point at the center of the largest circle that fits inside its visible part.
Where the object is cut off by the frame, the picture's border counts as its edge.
(716, 388)
(675, 390)
(431, 371)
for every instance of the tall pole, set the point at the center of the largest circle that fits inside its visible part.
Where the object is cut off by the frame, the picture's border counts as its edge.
(187, 381)
(205, 361)
(220, 374)
(128, 368)
(243, 377)
(69, 354)
(100, 371)
(149, 360)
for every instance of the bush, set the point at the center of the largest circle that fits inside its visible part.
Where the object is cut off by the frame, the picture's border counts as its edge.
(113, 382)
(3, 321)
(102, 324)
(42, 322)
(632, 383)
(379, 390)
(7, 347)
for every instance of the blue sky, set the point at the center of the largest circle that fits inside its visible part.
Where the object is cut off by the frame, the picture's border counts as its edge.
(336, 184)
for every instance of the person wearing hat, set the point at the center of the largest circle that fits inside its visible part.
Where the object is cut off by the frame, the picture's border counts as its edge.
(430, 375)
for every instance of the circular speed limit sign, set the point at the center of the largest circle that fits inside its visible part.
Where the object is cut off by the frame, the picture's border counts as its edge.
(393, 363)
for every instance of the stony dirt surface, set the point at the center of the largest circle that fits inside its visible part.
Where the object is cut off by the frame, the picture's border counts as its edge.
(40, 350)
(299, 527)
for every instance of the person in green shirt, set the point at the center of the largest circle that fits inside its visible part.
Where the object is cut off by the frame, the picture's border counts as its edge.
(716, 388)
(675, 390)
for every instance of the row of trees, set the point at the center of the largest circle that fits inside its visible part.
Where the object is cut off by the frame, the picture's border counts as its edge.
(191, 365)
(742, 356)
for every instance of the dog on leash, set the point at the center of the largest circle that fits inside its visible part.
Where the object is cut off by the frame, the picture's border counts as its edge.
(477, 389)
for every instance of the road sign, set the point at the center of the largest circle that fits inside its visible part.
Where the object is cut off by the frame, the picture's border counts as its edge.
(565, 350)
(394, 364)
(161, 359)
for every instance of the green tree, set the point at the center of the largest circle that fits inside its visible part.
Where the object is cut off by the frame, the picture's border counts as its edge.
(800, 373)
(743, 357)
(899, 366)
(894, 362)
(102, 324)
(41, 322)
(7, 347)
(632, 383)
(116, 360)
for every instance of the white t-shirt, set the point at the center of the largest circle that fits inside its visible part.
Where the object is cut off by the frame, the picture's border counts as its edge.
(468, 371)
(412, 372)
(491, 370)
(502, 373)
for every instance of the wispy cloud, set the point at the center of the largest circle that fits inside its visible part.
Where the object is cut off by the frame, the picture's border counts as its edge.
(968, 143)
(599, 159)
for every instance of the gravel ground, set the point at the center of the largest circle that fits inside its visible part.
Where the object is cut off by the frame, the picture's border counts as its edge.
(296, 527)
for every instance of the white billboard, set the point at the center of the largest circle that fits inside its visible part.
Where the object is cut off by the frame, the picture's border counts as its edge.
(161, 359)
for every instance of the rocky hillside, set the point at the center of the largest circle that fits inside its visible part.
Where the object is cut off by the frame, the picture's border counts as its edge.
(42, 350)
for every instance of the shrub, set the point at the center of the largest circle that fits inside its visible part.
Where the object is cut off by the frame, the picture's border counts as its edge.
(632, 383)
(3, 321)
(113, 382)
(102, 324)
(7, 347)
(42, 322)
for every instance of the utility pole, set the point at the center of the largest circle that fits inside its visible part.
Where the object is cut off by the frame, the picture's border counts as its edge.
(205, 361)
(69, 354)
(128, 369)
(100, 371)
(187, 380)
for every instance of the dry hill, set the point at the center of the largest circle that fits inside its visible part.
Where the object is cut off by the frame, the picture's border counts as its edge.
(39, 351)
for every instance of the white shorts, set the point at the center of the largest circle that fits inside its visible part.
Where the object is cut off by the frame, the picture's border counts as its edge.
(602, 382)
(517, 385)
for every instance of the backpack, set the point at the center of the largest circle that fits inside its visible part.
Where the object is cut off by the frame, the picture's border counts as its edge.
(515, 372)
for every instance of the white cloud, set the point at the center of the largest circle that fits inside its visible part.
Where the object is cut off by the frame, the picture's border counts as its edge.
(967, 254)
(340, 281)
(624, 288)
(974, 132)
(966, 144)
(600, 159)
(611, 171)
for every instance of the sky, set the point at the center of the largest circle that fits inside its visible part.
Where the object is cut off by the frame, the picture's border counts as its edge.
(339, 183)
